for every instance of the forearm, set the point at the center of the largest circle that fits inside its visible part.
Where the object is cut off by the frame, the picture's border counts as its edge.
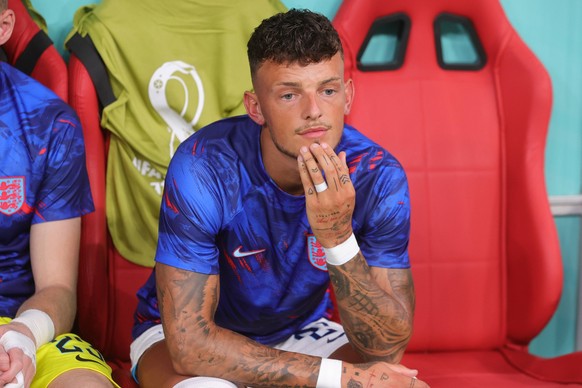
(54, 252)
(376, 319)
(377, 322)
(238, 359)
(58, 302)
(187, 302)
(228, 355)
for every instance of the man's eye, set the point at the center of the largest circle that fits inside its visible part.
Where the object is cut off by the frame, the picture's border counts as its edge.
(329, 92)
(287, 96)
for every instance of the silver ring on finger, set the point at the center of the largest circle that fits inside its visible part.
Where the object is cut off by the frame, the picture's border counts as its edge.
(321, 187)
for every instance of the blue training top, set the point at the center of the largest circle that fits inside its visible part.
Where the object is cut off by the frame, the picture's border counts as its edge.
(222, 214)
(42, 175)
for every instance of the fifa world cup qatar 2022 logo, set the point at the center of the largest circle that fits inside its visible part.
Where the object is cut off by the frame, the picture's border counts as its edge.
(11, 194)
(177, 95)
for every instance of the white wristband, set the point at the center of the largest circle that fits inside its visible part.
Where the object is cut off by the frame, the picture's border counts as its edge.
(40, 323)
(330, 374)
(341, 254)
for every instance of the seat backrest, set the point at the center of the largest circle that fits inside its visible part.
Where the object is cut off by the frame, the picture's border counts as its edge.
(470, 133)
(30, 50)
(107, 282)
(188, 60)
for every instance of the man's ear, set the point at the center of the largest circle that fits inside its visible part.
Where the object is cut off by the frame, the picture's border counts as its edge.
(253, 107)
(6, 25)
(350, 93)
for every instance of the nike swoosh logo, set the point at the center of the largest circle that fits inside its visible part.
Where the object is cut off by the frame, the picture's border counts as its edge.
(238, 253)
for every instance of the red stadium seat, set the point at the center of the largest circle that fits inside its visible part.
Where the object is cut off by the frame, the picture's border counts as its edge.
(107, 282)
(471, 135)
(31, 51)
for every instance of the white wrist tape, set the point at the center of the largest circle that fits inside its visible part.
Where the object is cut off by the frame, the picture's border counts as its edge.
(330, 374)
(13, 339)
(341, 254)
(19, 381)
(40, 323)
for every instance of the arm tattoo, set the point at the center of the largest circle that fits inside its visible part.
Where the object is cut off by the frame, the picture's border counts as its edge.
(339, 225)
(182, 303)
(376, 315)
(354, 384)
(357, 379)
(187, 302)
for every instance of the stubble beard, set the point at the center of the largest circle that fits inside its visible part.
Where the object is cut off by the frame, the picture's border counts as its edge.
(280, 147)
(285, 151)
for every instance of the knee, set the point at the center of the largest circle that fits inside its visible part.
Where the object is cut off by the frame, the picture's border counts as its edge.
(85, 378)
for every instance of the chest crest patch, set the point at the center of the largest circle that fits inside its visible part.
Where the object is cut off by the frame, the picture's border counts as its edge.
(316, 253)
(12, 194)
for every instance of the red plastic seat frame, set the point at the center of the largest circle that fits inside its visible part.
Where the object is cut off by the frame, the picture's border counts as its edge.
(107, 282)
(484, 248)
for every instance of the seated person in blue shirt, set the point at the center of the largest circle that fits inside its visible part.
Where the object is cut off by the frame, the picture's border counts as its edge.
(260, 216)
(44, 191)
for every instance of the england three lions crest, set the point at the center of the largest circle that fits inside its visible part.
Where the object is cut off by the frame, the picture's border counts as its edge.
(316, 253)
(11, 194)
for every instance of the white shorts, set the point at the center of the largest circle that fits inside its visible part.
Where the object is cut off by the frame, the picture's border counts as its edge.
(320, 338)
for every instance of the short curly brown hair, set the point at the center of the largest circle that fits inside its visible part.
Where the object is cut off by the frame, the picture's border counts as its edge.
(3, 5)
(296, 36)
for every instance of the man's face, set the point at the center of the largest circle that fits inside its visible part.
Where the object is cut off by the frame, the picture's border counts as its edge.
(299, 105)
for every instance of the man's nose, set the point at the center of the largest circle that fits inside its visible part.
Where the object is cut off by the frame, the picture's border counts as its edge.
(312, 110)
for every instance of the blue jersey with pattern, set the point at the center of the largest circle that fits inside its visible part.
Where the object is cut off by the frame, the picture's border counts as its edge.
(42, 175)
(222, 214)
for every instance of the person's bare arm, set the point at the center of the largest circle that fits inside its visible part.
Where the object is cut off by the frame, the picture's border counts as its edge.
(376, 305)
(187, 302)
(54, 253)
(198, 347)
(54, 248)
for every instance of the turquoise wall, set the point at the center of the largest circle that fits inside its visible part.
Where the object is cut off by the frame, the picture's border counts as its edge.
(552, 29)
(59, 17)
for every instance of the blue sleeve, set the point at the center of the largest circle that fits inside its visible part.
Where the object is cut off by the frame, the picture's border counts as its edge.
(190, 216)
(65, 191)
(384, 235)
